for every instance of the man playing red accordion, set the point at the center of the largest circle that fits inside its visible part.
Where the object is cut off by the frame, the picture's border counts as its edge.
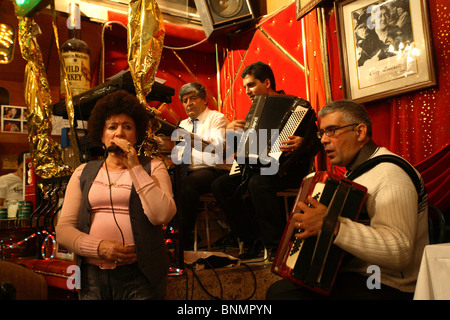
(385, 254)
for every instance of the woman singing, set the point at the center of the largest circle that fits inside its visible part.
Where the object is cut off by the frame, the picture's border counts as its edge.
(114, 208)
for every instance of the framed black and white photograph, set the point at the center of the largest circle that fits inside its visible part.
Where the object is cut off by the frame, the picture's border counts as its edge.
(385, 48)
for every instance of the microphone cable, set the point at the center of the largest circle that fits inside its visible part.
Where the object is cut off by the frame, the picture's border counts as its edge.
(112, 207)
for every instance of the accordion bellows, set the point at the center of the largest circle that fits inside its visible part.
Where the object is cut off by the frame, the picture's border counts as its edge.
(314, 262)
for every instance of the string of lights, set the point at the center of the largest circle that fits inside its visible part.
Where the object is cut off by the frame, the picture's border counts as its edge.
(48, 247)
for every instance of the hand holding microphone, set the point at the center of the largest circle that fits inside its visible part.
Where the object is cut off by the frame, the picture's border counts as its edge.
(124, 149)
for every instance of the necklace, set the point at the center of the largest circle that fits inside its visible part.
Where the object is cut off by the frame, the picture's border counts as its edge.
(115, 182)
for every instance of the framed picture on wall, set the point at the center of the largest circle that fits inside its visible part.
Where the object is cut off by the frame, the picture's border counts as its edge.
(385, 47)
(305, 6)
(14, 119)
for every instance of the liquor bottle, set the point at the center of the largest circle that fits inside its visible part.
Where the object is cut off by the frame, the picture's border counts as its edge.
(68, 156)
(75, 53)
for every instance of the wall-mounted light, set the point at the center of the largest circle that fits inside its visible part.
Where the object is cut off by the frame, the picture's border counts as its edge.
(7, 36)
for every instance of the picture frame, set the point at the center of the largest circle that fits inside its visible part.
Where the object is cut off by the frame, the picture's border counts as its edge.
(385, 48)
(305, 6)
(14, 119)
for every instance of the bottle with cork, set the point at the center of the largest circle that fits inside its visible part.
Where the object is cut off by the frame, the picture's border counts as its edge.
(76, 55)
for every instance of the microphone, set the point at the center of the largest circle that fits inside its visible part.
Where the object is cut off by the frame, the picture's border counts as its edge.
(114, 149)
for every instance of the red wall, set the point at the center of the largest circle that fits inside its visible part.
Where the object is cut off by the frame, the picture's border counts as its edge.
(413, 125)
(185, 58)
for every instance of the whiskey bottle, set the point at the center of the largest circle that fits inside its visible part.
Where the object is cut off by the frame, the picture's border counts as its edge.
(75, 53)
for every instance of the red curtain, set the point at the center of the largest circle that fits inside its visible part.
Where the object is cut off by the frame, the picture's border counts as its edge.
(419, 120)
(435, 172)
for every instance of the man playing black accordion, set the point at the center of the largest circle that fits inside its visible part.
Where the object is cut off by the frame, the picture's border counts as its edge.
(257, 219)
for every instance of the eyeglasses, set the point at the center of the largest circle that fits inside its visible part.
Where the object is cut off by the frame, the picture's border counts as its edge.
(331, 131)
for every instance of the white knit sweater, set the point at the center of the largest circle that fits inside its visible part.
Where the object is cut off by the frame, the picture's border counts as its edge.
(397, 233)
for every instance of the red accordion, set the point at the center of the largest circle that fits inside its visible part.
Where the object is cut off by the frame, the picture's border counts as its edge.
(314, 262)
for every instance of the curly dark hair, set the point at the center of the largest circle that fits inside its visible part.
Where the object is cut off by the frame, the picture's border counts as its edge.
(118, 102)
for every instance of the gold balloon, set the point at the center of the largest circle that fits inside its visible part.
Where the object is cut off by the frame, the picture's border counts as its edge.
(45, 152)
(145, 37)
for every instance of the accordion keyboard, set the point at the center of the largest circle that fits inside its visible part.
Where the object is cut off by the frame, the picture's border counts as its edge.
(297, 243)
(288, 130)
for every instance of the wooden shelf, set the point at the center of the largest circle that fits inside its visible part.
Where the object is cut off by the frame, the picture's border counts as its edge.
(21, 138)
(7, 137)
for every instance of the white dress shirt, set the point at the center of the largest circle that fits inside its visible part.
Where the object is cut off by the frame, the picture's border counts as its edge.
(210, 127)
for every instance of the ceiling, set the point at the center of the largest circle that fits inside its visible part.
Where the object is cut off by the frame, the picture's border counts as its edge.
(176, 11)
(179, 12)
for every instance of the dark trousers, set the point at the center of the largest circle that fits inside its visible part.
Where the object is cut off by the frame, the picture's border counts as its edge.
(192, 186)
(259, 215)
(347, 286)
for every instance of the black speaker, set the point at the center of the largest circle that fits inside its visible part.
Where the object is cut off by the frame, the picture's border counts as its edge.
(221, 16)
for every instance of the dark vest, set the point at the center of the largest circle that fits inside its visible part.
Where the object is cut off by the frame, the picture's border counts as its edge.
(151, 250)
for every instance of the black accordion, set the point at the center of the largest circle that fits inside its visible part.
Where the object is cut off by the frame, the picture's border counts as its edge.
(314, 262)
(271, 120)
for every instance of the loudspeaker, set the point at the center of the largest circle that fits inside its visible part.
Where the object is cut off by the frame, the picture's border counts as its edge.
(221, 16)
